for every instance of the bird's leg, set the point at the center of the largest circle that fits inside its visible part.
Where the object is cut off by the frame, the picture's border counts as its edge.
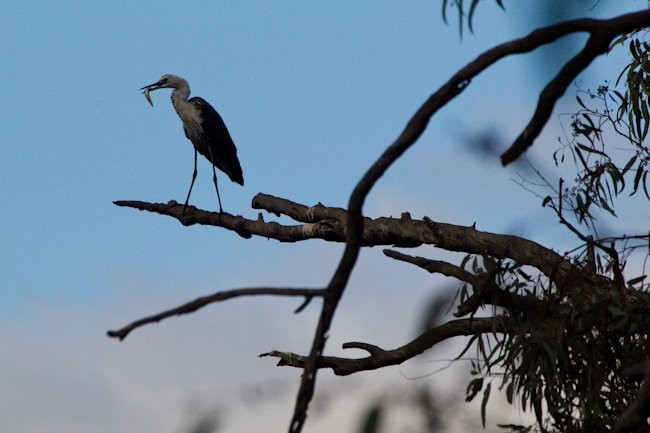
(187, 200)
(214, 179)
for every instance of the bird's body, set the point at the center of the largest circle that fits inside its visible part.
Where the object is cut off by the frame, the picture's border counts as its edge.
(205, 128)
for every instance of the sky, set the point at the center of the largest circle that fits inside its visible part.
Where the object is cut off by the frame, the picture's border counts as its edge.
(312, 94)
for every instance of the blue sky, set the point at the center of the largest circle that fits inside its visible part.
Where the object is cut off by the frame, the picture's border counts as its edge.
(311, 93)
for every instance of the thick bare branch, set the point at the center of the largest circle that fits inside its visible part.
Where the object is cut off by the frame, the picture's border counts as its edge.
(329, 224)
(201, 302)
(329, 230)
(383, 358)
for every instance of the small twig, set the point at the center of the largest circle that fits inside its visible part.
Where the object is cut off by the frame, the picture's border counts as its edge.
(216, 297)
(435, 266)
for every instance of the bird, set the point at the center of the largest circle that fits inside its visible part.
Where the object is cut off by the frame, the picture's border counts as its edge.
(205, 128)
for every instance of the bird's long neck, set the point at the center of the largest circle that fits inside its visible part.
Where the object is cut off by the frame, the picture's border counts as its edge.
(179, 100)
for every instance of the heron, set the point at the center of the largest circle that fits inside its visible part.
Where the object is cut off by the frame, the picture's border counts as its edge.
(205, 128)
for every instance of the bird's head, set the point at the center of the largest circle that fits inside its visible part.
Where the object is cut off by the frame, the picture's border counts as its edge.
(166, 81)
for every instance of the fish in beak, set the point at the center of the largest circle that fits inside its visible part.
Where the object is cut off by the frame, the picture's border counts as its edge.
(148, 89)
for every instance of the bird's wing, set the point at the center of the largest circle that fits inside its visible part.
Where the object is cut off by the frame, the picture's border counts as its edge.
(219, 143)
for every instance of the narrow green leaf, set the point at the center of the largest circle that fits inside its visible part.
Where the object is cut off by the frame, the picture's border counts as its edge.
(444, 12)
(465, 260)
(589, 121)
(526, 276)
(473, 388)
(486, 397)
(469, 344)
(620, 96)
(510, 392)
(617, 41)
(636, 280)
(617, 177)
(635, 54)
(629, 164)
(470, 15)
(582, 159)
(637, 177)
(592, 150)
(605, 206)
(629, 66)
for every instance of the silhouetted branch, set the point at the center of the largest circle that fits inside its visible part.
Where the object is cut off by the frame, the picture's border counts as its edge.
(602, 33)
(402, 232)
(486, 291)
(383, 358)
(328, 230)
(201, 302)
(436, 266)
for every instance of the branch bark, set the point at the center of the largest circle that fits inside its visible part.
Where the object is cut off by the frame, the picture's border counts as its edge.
(380, 358)
(321, 222)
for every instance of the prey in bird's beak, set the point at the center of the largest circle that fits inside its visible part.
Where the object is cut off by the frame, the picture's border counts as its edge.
(148, 89)
(146, 95)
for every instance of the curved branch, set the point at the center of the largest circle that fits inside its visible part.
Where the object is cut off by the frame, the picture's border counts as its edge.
(201, 302)
(602, 33)
(383, 358)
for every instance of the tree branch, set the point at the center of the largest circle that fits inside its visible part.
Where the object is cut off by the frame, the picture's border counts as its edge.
(436, 266)
(329, 224)
(201, 302)
(329, 230)
(486, 291)
(602, 33)
(380, 358)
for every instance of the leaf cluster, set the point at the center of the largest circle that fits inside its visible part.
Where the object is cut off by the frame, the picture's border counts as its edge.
(563, 359)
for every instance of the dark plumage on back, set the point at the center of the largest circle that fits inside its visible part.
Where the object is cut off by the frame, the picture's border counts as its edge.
(216, 132)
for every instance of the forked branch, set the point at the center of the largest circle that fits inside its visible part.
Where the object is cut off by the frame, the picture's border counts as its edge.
(379, 358)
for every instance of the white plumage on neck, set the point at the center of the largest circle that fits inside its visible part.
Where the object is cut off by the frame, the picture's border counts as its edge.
(189, 114)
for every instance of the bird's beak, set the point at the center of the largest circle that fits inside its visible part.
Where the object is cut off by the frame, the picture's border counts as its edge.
(149, 88)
